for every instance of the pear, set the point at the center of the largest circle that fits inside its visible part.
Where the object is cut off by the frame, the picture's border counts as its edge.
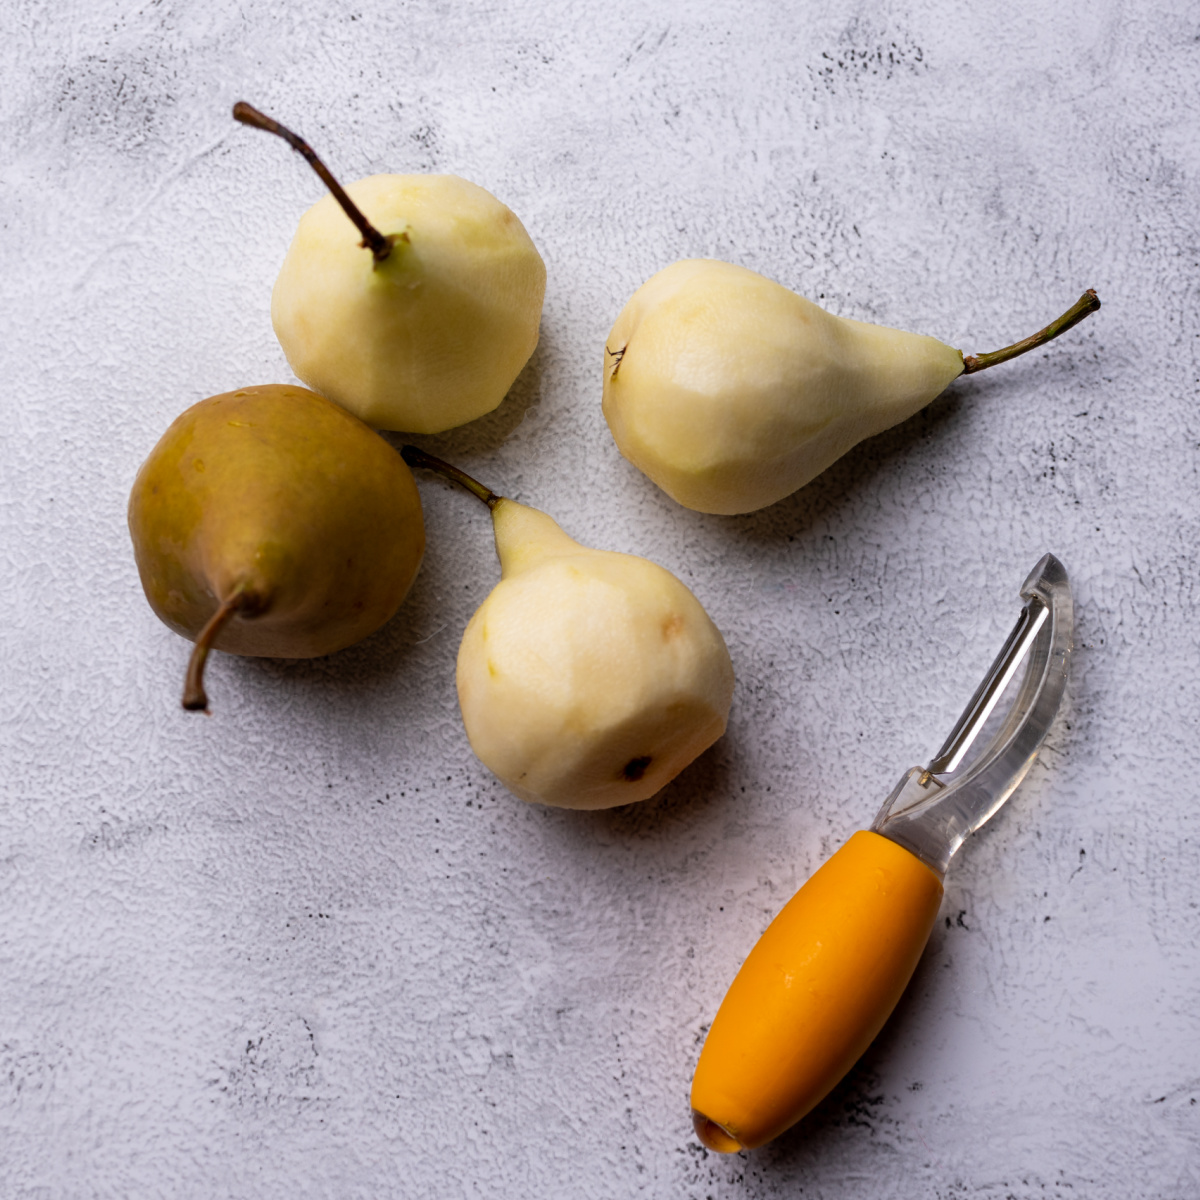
(269, 521)
(731, 392)
(426, 322)
(587, 678)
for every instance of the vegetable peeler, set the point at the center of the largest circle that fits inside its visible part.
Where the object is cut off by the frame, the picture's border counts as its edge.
(829, 970)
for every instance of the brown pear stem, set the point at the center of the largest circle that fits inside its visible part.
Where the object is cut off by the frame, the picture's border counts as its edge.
(195, 698)
(373, 240)
(418, 458)
(1083, 307)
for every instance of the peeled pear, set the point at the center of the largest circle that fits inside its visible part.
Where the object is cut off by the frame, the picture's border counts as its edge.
(423, 324)
(587, 678)
(269, 521)
(731, 392)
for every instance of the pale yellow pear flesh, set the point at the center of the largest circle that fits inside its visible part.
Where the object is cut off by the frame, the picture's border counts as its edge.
(587, 678)
(731, 392)
(434, 335)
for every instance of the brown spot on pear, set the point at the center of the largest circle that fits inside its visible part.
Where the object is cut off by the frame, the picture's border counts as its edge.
(635, 768)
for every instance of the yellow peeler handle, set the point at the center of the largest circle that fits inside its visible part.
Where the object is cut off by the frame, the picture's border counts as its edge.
(814, 992)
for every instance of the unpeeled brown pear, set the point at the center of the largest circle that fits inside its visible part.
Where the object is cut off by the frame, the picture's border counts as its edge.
(269, 521)
(587, 678)
(426, 322)
(731, 392)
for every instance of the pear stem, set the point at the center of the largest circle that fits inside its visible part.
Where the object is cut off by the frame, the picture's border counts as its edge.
(1083, 307)
(195, 698)
(418, 458)
(373, 240)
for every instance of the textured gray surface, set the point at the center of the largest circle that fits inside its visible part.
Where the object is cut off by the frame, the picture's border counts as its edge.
(308, 947)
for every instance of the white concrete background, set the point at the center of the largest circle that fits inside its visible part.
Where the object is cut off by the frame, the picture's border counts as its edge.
(308, 947)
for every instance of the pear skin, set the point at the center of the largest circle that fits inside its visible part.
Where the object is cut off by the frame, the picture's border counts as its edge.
(433, 335)
(731, 392)
(587, 678)
(276, 501)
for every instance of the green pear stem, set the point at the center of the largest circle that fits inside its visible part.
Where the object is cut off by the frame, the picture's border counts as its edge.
(1083, 307)
(418, 458)
(373, 240)
(195, 698)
